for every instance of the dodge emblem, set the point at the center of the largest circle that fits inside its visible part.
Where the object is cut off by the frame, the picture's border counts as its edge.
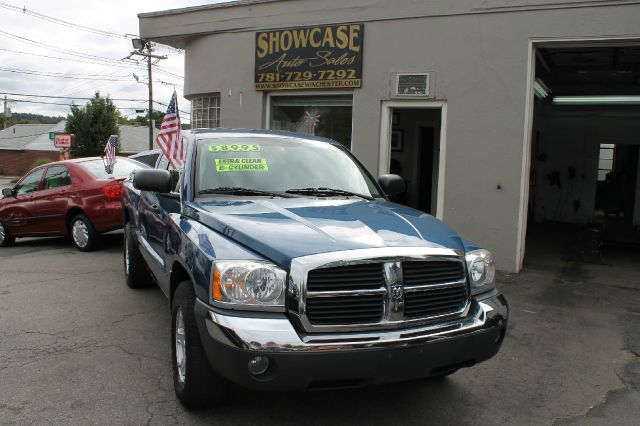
(397, 298)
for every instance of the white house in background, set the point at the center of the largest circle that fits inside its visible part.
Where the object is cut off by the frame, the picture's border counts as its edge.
(22, 146)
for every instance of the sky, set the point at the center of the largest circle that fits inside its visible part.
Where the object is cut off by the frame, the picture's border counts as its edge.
(62, 67)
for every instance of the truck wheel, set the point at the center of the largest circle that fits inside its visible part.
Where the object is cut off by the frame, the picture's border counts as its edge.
(6, 239)
(135, 271)
(195, 382)
(83, 235)
(442, 375)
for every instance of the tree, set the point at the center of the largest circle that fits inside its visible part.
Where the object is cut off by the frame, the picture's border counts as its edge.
(92, 125)
(143, 120)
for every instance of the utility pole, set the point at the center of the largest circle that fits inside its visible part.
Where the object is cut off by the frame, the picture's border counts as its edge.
(139, 45)
(5, 112)
(150, 96)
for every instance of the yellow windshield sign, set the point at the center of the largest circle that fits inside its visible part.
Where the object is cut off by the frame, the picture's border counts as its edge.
(240, 147)
(241, 165)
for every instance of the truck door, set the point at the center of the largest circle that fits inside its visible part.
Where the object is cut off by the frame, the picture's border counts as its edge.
(154, 210)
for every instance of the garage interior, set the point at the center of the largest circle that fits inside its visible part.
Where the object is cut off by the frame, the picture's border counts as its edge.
(415, 155)
(584, 186)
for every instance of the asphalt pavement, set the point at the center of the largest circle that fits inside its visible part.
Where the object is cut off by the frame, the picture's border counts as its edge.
(78, 347)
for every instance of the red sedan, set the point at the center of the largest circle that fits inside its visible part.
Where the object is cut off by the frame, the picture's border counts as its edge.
(75, 198)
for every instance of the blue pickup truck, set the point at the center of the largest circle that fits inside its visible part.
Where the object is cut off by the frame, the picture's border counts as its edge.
(287, 268)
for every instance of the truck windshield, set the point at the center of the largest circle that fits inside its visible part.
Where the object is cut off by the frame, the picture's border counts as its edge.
(279, 165)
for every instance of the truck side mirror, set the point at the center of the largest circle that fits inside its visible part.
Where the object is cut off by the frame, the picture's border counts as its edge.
(8, 192)
(392, 184)
(154, 180)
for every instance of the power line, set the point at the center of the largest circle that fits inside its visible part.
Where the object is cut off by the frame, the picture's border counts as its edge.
(71, 74)
(128, 65)
(121, 65)
(62, 22)
(58, 49)
(58, 75)
(68, 97)
(161, 71)
(58, 103)
(165, 105)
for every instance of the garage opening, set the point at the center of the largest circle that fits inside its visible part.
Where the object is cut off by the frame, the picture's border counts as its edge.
(415, 155)
(584, 193)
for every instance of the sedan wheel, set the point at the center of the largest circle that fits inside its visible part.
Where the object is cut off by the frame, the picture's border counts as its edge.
(5, 238)
(82, 233)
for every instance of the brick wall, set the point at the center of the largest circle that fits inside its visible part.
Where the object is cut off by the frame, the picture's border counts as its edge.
(17, 163)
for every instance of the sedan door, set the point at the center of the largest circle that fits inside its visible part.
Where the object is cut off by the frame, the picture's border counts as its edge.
(51, 203)
(19, 212)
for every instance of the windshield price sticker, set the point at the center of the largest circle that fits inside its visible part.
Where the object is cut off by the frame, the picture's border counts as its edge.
(241, 165)
(235, 148)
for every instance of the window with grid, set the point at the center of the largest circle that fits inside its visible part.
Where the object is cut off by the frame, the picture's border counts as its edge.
(605, 160)
(205, 111)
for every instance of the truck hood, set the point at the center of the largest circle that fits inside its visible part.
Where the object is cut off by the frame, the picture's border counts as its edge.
(284, 228)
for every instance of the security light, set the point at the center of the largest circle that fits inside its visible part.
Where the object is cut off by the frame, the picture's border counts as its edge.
(139, 43)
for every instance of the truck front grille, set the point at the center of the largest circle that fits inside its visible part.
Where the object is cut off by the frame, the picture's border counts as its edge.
(365, 293)
(346, 294)
(437, 301)
(345, 309)
(353, 277)
(432, 272)
(433, 288)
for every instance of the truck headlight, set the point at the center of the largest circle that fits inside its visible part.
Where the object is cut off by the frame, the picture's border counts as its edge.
(246, 284)
(482, 270)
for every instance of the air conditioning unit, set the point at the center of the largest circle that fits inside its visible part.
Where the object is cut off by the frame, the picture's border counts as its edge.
(411, 85)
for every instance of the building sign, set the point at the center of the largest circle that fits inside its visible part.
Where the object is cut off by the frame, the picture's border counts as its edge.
(62, 140)
(323, 57)
(52, 134)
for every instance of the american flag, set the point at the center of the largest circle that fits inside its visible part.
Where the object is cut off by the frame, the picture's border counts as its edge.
(170, 137)
(110, 153)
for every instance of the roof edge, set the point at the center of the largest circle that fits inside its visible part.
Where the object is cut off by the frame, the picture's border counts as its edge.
(233, 3)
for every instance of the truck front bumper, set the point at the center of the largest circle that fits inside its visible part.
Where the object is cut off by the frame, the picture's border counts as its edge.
(298, 361)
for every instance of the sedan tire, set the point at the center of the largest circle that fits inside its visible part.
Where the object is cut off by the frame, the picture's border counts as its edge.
(195, 382)
(135, 271)
(83, 234)
(6, 239)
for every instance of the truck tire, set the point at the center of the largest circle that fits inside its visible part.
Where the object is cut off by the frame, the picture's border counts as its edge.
(195, 383)
(83, 234)
(442, 375)
(6, 239)
(135, 271)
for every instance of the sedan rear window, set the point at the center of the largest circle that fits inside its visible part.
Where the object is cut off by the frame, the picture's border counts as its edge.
(122, 168)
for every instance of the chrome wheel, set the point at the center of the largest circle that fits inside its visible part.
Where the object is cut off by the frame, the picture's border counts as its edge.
(3, 233)
(80, 233)
(127, 261)
(181, 354)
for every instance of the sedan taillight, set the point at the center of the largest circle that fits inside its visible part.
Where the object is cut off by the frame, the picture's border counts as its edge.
(113, 191)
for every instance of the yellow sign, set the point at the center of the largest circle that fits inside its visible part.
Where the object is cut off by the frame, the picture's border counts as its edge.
(328, 56)
(241, 165)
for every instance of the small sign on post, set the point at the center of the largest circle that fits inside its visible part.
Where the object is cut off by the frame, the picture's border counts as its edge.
(52, 135)
(62, 140)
